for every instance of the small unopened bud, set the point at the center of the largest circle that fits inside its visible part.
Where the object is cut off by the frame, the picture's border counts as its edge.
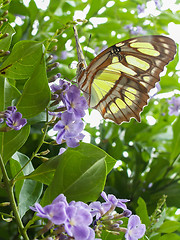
(49, 58)
(44, 159)
(52, 79)
(5, 13)
(55, 40)
(124, 230)
(53, 49)
(44, 152)
(127, 213)
(5, 20)
(45, 228)
(5, 129)
(50, 67)
(4, 204)
(6, 2)
(4, 35)
(2, 54)
(59, 31)
(7, 219)
(120, 222)
(82, 20)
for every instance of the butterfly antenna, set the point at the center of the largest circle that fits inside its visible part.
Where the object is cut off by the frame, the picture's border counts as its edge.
(87, 46)
(81, 60)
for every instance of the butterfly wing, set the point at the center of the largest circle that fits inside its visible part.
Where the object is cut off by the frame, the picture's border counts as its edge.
(118, 80)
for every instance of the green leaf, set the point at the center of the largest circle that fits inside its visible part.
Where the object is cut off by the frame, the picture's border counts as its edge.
(169, 227)
(80, 174)
(33, 11)
(6, 42)
(170, 236)
(11, 141)
(30, 193)
(36, 93)
(141, 211)
(27, 191)
(8, 94)
(17, 161)
(173, 193)
(156, 237)
(109, 236)
(24, 58)
(17, 7)
(94, 8)
(176, 139)
(45, 172)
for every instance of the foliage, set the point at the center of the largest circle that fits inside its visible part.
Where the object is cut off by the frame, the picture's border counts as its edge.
(147, 154)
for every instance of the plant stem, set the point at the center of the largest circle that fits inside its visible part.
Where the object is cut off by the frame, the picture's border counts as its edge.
(9, 188)
(37, 149)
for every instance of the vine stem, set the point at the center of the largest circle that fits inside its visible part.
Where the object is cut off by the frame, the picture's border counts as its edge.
(37, 149)
(9, 188)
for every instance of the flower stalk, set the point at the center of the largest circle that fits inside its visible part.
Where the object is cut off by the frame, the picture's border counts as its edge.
(9, 188)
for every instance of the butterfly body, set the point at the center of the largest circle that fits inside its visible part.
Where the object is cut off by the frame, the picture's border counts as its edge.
(118, 80)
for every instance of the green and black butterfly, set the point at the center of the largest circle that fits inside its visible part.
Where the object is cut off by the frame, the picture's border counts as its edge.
(118, 80)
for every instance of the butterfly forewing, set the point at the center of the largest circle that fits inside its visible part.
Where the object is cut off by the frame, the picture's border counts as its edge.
(118, 80)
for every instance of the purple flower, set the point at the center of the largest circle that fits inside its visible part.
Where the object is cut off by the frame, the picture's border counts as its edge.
(15, 120)
(55, 212)
(157, 3)
(63, 55)
(60, 198)
(98, 209)
(141, 8)
(10, 110)
(68, 127)
(60, 90)
(61, 151)
(174, 109)
(63, 85)
(138, 30)
(1, 120)
(74, 141)
(115, 202)
(135, 228)
(128, 27)
(97, 50)
(134, 30)
(77, 223)
(75, 103)
(54, 77)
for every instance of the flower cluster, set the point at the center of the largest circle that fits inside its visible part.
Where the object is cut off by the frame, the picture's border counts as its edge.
(174, 108)
(71, 110)
(79, 221)
(13, 118)
(141, 8)
(158, 4)
(134, 30)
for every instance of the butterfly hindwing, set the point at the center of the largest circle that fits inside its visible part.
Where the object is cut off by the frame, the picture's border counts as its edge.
(118, 80)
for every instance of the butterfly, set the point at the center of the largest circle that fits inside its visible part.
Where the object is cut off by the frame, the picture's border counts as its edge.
(118, 80)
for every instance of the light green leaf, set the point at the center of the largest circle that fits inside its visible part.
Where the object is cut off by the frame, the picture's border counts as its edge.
(5, 42)
(11, 141)
(36, 93)
(141, 211)
(170, 236)
(80, 174)
(23, 60)
(176, 139)
(27, 191)
(45, 172)
(169, 227)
